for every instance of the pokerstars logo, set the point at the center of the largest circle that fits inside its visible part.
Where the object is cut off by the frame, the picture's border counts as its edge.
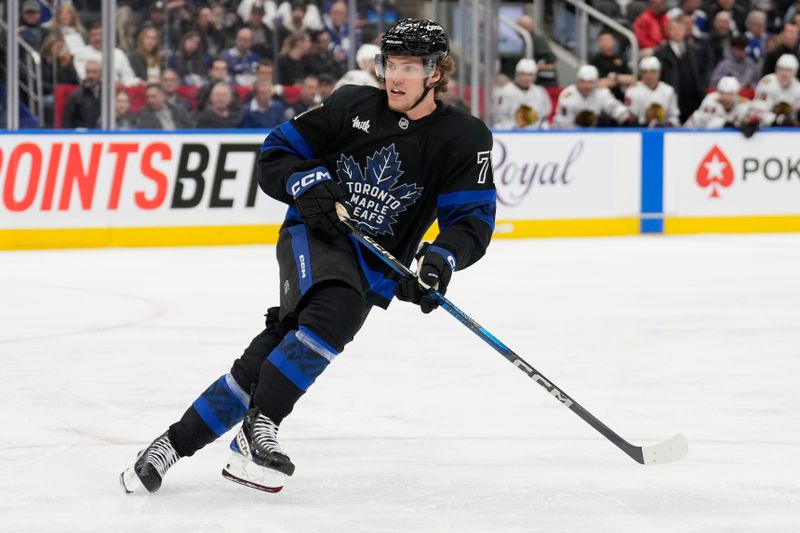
(715, 171)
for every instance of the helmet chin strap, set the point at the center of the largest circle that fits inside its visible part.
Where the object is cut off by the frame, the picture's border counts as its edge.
(424, 94)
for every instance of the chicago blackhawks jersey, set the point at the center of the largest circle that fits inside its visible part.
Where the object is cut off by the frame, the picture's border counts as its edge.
(771, 100)
(712, 114)
(399, 175)
(653, 107)
(516, 108)
(575, 110)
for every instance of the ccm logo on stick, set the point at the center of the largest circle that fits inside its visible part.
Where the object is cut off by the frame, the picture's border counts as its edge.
(557, 394)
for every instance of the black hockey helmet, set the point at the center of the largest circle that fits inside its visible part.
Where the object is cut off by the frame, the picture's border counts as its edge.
(415, 37)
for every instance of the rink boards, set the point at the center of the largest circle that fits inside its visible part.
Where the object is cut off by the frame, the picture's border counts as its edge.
(193, 188)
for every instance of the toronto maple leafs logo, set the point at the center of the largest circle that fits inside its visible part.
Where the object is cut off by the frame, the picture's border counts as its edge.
(375, 198)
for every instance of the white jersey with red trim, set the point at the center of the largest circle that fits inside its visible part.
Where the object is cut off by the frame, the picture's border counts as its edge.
(653, 107)
(517, 108)
(574, 110)
(771, 97)
(712, 114)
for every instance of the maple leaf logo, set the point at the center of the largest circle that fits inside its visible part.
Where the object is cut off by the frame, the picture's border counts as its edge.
(374, 196)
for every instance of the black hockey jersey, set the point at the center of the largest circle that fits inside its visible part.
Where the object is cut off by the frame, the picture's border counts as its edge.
(399, 175)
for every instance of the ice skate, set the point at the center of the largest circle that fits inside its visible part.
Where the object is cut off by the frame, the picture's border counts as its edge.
(151, 465)
(257, 460)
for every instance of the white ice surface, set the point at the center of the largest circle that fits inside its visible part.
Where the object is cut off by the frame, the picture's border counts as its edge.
(419, 425)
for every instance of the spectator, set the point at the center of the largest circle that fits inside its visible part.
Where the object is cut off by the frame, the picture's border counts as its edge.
(682, 67)
(522, 104)
(158, 114)
(218, 114)
(365, 74)
(83, 105)
(327, 84)
(756, 24)
(211, 37)
(321, 59)
(170, 83)
(190, 62)
(584, 105)
(692, 9)
(57, 68)
(264, 40)
(787, 44)
(721, 109)
(613, 70)
(720, 36)
(737, 64)
(30, 29)
(298, 16)
(123, 118)
(650, 26)
(450, 96)
(263, 111)
(309, 96)
(545, 58)
(292, 63)
(67, 24)
(146, 61)
(218, 73)
(335, 23)
(123, 73)
(736, 12)
(241, 60)
(701, 44)
(652, 102)
(127, 29)
(777, 100)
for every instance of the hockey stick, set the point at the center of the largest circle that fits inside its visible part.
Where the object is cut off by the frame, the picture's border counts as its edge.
(667, 451)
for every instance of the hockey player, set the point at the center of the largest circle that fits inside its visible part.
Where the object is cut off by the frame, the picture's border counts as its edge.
(365, 73)
(721, 109)
(777, 98)
(582, 104)
(397, 159)
(522, 104)
(652, 102)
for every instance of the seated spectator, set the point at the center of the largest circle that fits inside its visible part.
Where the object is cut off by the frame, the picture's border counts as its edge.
(335, 27)
(365, 73)
(30, 28)
(127, 29)
(263, 111)
(123, 73)
(264, 40)
(683, 67)
(737, 13)
(57, 68)
(522, 104)
(158, 114)
(241, 60)
(787, 44)
(212, 38)
(292, 63)
(298, 16)
(309, 97)
(546, 75)
(720, 36)
(83, 105)
(327, 84)
(737, 64)
(691, 8)
(218, 114)
(584, 105)
(146, 61)
(777, 99)
(190, 62)
(123, 118)
(652, 102)
(170, 83)
(67, 24)
(721, 109)
(321, 59)
(650, 27)
(613, 70)
(217, 74)
(756, 24)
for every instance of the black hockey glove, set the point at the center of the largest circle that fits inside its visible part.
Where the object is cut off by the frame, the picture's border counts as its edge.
(750, 127)
(315, 197)
(435, 266)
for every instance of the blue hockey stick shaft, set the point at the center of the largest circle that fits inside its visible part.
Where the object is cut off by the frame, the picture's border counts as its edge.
(667, 451)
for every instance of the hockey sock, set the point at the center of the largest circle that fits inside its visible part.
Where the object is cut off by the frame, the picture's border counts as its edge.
(221, 406)
(290, 370)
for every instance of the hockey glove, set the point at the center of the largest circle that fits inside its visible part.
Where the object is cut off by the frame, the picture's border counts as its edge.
(750, 127)
(315, 197)
(435, 266)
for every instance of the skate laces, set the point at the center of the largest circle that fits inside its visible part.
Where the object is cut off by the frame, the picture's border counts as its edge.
(161, 454)
(265, 434)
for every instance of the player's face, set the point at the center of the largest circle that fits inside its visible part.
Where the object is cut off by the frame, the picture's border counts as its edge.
(404, 81)
(524, 79)
(784, 75)
(650, 77)
(585, 87)
(727, 99)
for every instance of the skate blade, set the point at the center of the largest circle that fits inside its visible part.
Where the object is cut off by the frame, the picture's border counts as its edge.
(245, 472)
(129, 481)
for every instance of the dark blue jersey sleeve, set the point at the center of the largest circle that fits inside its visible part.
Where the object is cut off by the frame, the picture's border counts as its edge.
(467, 200)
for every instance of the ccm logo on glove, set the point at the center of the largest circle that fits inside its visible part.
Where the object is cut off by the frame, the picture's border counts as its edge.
(300, 182)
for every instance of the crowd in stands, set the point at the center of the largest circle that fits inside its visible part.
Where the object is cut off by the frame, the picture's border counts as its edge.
(197, 64)
(702, 59)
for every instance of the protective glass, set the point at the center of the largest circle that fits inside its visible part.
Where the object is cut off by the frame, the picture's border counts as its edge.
(405, 67)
